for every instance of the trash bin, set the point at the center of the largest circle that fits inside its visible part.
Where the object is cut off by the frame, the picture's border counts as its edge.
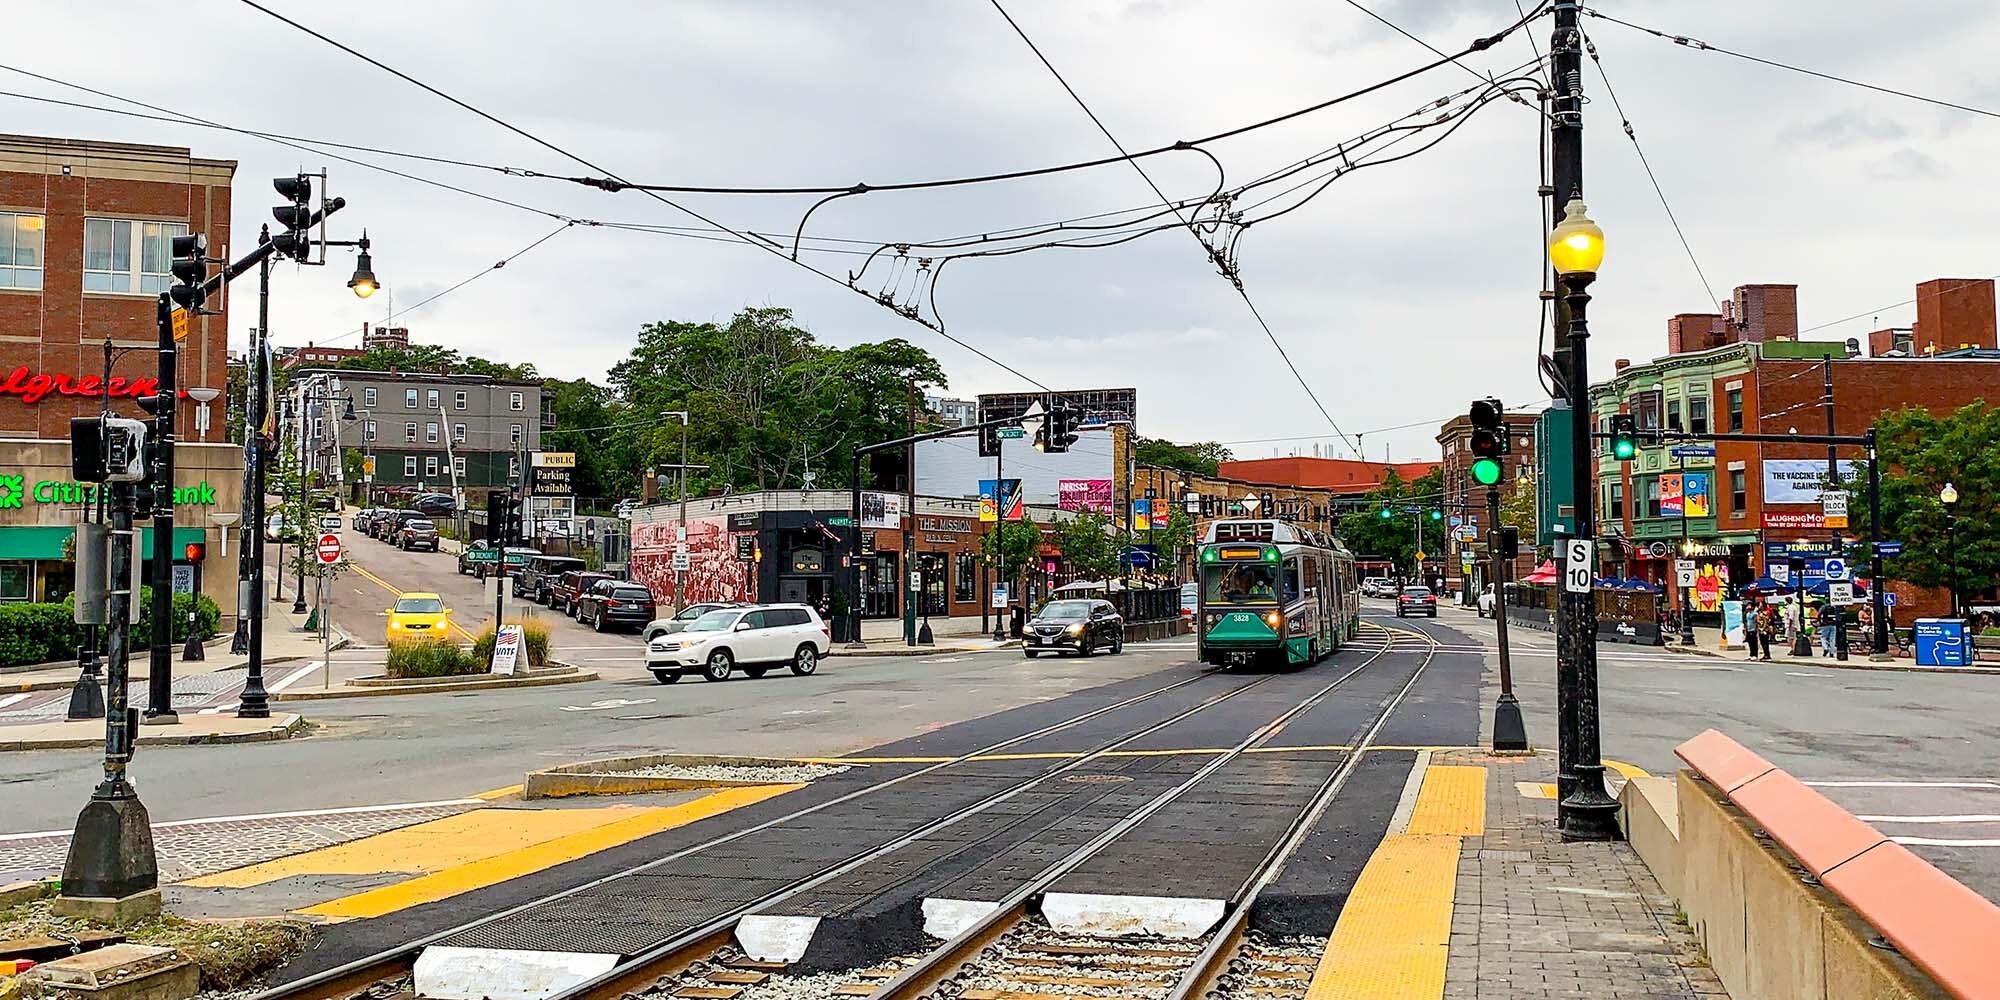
(1941, 642)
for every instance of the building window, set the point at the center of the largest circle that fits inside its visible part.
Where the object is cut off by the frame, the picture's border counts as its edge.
(514, 433)
(514, 401)
(965, 575)
(458, 433)
(458, 399)
(1735, 409)
(1739, 491)
(15, 580)
(1617, 504)
(128, 256)
(409, 399)
(409, 466)
(1673, 414)
(430, 465)
(368, 397)
(458, 466)
(430, 431)
(1698, 414)
(1652, 498)
(368, 430)
(431, 399)
(21, 250)
(409, 430)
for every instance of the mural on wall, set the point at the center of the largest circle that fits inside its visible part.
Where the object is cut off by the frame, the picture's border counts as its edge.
(1711, 583)
(714, 573)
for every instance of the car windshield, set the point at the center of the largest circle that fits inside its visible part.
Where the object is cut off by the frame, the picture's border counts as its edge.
(1416, 591)
(1240, 583)
(419, 605)
(691, 613)
(714, 621)
(1067, 611)
(420, 524)
(632, 593)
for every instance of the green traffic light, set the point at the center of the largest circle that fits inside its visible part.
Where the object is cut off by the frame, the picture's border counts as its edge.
(1385, 514)
(1624, 448)
(1486, 471)
(1437, 515)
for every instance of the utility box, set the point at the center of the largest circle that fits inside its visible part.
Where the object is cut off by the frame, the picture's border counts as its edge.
(1555, 511)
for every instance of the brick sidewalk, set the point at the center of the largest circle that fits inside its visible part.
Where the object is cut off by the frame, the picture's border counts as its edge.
(1534, 917)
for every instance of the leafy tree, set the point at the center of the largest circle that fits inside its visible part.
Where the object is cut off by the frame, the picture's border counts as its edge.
(1517, 508)
(1174, 539)
(599, 429)
(433, 358)
(1920, 452)
(1019, 542)
(1368, 533)
(1090, 545)
(1201, 458)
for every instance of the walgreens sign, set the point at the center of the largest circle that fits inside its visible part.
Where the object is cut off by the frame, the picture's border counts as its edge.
(31, 386)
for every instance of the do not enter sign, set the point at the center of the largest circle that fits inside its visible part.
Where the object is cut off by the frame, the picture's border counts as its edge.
(329, 549)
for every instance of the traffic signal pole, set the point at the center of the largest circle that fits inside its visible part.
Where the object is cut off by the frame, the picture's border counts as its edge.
(1510, 732)
(160, 670)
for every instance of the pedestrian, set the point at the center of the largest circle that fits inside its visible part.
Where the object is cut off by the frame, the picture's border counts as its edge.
(1769, 619)
(1829, 627)
(1750, 636)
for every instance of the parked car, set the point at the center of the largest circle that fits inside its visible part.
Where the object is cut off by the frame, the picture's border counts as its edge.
(389, 528)
(754, 638)
(479, 557)
(536, 579)
(572, 585)
(417, 533)
(419, 615)
(1486, 602)
(435, 505)
(325, 501)
(278, 529)
(1416, 601)
(363, 516)
(668, 626)
(607, 603)
(1079, 626)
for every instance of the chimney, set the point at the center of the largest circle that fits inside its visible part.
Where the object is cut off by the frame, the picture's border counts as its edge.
(1690, 332)
(1953, 313)
(1621, 364)
(1765, 312)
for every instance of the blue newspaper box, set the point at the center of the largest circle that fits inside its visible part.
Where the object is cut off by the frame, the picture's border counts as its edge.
(1941, 643)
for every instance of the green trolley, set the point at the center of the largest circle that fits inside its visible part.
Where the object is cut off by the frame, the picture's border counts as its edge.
(1273, 594)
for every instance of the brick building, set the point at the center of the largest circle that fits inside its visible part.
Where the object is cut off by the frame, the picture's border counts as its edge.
(1466, 497)
(1344, 476)
(85, 231)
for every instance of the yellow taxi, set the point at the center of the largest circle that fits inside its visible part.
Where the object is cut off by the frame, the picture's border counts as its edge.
(419, 616)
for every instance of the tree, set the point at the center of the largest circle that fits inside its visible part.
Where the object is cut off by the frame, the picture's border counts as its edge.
(594, 425)
(1517, 509)
(1090, 545)
(433, 358)
(1016, 544)
(1201, 459)
(1920, 452)
(1174, 539)
(1368, 533)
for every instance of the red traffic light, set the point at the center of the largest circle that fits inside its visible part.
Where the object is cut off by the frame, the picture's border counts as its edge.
(196, 551)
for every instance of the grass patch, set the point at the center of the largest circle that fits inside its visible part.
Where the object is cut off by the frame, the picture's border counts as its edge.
(230, 954)
(431, 658)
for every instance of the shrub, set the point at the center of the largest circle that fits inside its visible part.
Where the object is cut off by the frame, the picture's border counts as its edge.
(534, 638)
(41, 633)
(431, 658)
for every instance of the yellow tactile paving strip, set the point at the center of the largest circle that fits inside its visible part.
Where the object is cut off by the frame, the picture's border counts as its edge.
(513, 864)
(1452, 802)
(1394, 934)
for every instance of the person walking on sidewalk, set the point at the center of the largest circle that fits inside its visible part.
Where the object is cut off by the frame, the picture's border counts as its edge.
(1829, 627)
(1767, 619)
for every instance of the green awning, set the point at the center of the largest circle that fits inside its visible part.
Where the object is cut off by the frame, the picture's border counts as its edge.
(34, 541)
(30, 542)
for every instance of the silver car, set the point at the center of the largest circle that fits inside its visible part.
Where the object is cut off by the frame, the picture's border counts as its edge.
(668, 626)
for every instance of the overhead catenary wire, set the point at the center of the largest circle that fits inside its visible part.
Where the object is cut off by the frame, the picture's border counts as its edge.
(1896, 305)
(469, 279)
(1690, 42)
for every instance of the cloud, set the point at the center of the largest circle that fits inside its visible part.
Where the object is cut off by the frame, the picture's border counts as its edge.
(1845, 129)
(1903, 165)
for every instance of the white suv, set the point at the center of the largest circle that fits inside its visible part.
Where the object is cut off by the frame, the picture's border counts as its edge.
(754, 638)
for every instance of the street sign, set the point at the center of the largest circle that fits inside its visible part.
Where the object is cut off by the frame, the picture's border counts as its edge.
(1012, 433)
(680, 560)
(1467, 532)
(999, 596)
(1684, 572)
(1840, 592)
(1420, 555)
(180, 324)
(1834, 507)
(1456, 520)
(1577, 577)
(916, 580)
(1836, 569)
(329, 549)
(1888, 598)
(1694, 451)
(1886, 549)
(1781, 572)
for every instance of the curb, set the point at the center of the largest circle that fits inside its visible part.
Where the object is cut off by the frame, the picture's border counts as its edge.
(22, 687)
(922, 650)
(487, 684)
(1850, 664)
(285, 727)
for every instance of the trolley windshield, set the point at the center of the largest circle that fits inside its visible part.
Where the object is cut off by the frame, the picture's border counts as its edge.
(1239, 583)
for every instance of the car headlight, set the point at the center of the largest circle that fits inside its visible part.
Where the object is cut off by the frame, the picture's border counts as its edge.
(1076, 629)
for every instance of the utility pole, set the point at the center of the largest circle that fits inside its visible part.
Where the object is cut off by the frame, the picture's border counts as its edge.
(1879, 645)
(911, 590)
(160, 670)
(1585, 810)
(680, 594)
(1833, 482)
(255, 702)
(1001, 616)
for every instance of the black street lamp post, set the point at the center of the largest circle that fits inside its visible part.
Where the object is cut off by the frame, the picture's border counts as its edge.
(1948, 499)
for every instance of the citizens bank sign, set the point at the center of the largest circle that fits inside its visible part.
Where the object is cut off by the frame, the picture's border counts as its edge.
(14, 492)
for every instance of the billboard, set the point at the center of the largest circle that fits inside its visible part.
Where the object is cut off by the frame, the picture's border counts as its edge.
(1670, 495)
(1084, 494)
(991, 492)
(882, 510)
(1798, 480)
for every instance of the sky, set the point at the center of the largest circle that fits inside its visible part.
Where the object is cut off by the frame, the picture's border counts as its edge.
(1401, 292)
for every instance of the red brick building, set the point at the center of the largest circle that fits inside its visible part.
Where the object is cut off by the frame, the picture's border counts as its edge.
(1336, 475)
(85, 228)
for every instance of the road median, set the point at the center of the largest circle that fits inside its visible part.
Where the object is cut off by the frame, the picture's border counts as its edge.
(377, 686)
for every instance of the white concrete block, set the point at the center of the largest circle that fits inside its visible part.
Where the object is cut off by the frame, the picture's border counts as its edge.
(1167, 916)
(502, 974)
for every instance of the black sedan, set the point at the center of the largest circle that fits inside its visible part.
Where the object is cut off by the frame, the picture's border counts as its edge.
(611, 603)
(1076, 626)
(1416, 601)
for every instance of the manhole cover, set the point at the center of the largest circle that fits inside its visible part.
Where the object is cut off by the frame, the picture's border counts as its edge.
(1095, 779)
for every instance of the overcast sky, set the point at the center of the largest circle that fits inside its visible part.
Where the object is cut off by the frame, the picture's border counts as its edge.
(1401, 292)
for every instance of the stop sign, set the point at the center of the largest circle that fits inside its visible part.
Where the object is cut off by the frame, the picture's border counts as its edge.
(329, 548)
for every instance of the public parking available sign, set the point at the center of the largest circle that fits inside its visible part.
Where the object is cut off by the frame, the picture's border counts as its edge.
(329, 549)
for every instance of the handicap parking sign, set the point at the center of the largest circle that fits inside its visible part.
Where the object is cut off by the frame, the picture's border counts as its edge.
(1836, 569)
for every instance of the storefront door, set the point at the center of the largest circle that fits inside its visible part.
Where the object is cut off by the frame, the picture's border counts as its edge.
(879, 581)
(932, 564)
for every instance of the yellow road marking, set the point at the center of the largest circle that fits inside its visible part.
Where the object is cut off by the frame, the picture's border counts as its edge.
(1394, 934)
(500, 793)
(1073, 754)
(398, 591)
(1628, 770)
(1452, 802)
(1536, 789)
(427, 847)
(513, 864)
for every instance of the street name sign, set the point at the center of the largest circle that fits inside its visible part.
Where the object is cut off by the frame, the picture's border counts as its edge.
(1694, 451)
(1888, 548)
(1012, 433)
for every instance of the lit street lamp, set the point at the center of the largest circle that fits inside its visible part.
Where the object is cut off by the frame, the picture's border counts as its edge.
(1948, 498)
(1585, 810)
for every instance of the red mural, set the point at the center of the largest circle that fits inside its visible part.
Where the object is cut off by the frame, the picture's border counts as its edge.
(714, 573)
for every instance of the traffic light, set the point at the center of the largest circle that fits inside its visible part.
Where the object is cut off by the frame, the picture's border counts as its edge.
(1386, 514)
(1437, 515)
(1510, 542)
(1489, 440)
(295, 242)
(1624, 436)
(1058, 432)
(190, 268)
(195, 552)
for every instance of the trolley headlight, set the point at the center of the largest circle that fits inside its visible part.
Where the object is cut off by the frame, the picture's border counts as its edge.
(1275, 620)
(1076, 629)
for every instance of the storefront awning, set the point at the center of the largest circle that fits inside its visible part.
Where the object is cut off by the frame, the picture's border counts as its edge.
(32, 542)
